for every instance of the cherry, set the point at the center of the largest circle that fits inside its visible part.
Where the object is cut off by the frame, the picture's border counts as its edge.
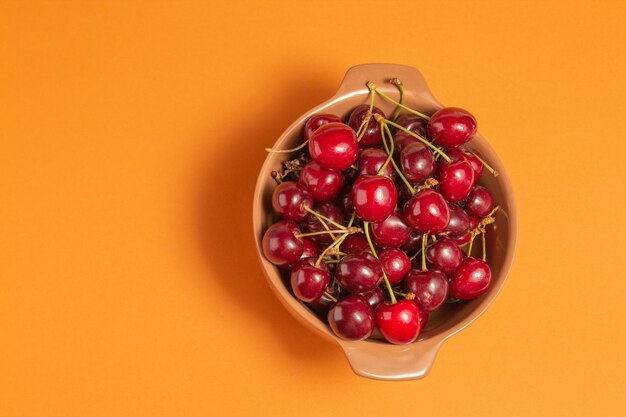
(324, 303)
(316, 121)
(344, 200)
(466, 237)
(359, 272)
(402, 140)
(351, 318)
(313, 224)
(322, 183)
(427, 212)
(371, 160)
(354, 243)
(372, 135)
(399, 323)
(334, 145)
(308, 280)
(459, 223)
(395, 263)
(414, 242)
(430, 288)
(412, 123)
(423, 318)
(451, 127)
(479, 202)
(471, 280)
(311, 250)
(467, 153)
(280, 244)
(288, 200)
(445, 255)
(417, 162)
(374, 297)
(374, 197)
(392, 232)
(456, 180)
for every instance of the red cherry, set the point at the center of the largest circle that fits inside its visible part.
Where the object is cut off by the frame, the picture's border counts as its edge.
(370, 161)
(392, 232)
(417, 162)
(359, 273)
(473, 222)
(456, 180)
(374, 197)
(451, 127)
(430, 288)
(423, 318)
(398, 323)
(309, 281)
(311, 250)
(479, 202)
(288, 200)
(413, 123)
(354, 243)
(334, 145)
(324, 303)
(372, 136)
(351, 318)
(413, 244)
(445, 255)
(317, 121)
(280, 244)
(459, 223)
(467, 153)
(322, 183)
(374, 297)
(471, 280)
(427, 212)
(395, 263)
(313, 224)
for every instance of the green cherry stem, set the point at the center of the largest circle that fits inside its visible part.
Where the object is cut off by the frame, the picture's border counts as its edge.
(352, 219)
(321, 216)
(424, 241)
(323, 232)
(373, 87)
(389, 153)
(485, 164)
(469, 249)
(484, 247)
(366, 228)
(297, 148)
(398, 83)
(330, 296)
(421, 139)
(276, 177)
(363, 127)
(332, 246)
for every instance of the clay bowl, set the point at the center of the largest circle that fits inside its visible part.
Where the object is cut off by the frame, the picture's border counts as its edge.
(375, 358)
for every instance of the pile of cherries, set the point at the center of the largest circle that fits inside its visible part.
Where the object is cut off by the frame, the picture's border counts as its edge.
(379, 217)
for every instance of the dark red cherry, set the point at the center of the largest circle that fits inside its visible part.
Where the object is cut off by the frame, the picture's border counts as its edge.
(344, 200)
(288, 199)
(417, 162)
(413, 123)
(371, 160)
(324, 303)
(396, 264)
(313, 224)
(479, 202)
(311, 250)
(430, 288)
(413, 244)
(374, 197)
(471, 280)
(392, 232)
(398, 323)
(372, 136)
(423, 318)
(459, 223)
(402, 140)
(351, 318)
(451, 127)
(445, 255)
(464, 152)
(359, 272)
(427, 212)
(354, 243)
(322, 183)
(316, 121)
(374, 297)
(334, 146)
(280, 244)
(309, 281)
(456, 180)
(460, 240)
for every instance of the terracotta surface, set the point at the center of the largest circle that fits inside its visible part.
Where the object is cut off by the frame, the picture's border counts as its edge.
(371, 358)
(131, 138)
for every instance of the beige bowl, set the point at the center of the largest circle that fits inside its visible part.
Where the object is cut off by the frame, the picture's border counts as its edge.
(374, 358)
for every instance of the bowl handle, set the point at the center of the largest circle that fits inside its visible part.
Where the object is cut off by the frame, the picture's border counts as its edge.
(391, 362)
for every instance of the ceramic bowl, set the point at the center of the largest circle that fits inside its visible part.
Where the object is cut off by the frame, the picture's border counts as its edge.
(375, 358)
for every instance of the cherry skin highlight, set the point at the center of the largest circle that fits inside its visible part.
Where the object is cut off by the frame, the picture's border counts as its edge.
(280, 244)
(334, 146)
(351, 318)
(471, 280)
(427, 212)
(309, 281)
(288, 200)
(374, 197)
(451, 127)
(322, 183)
(398, 323)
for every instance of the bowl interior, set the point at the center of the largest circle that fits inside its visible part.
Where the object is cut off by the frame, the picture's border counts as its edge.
(500, 236)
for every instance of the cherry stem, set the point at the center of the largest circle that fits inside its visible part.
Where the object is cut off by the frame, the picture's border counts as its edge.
(484, 247)
(416, 253)
(366, 228)
(389, 153)
(469, 249)
(297, 148)
(398, 83)
(330, 296)
(485, 164)
(323, 232)
(276, 177)
(408, 295)
(424, 241)
(330, 247)
(321, 216)
(363, 127)
(372, 87)
(352, 219)
(421, 139)
(395, 166)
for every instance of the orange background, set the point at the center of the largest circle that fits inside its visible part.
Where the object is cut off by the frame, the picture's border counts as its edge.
(131, 135)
